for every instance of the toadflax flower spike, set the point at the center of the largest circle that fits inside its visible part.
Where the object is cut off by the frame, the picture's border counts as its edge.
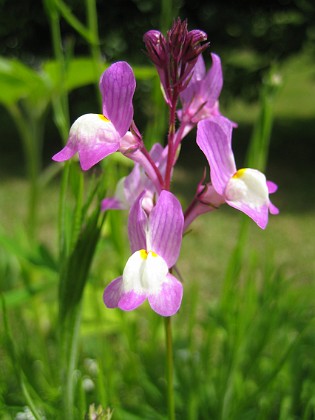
(245, 189)
(95, 136)
(155, 240)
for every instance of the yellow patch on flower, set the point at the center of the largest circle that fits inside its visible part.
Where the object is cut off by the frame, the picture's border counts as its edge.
(144, 254)
(103, 118)
(239, 173)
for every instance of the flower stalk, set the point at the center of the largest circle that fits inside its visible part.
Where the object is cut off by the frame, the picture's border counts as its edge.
(169, 368)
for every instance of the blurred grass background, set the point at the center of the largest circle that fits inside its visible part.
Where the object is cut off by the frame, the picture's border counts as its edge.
(245, 337)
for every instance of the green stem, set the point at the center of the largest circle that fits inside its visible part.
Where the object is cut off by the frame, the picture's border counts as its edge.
(60, 103)
(70, 328)
(63, 244)
(31, 132)
(169, 368)
(95, 51)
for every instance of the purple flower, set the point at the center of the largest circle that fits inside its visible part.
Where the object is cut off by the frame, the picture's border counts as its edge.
(155, 240)
(95, 136)
(200, 99)
(130, 187)
(245, 189)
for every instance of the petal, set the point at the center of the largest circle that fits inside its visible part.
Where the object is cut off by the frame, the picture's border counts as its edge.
(131, 300)
(132, 275)
(273, 209)
(111, 203)
(144, 272)
(154, 271)
(90, 156)
(66, 153)
(136, 226)
(165, 230)
(211, 85)
(112, 293)
(193, 86)
(119, 201)
(214, 138)
(114, 296)
(247, 191)
(93, 137)
(272, 187)
(133, 185)
(117, 85)
(167, 300)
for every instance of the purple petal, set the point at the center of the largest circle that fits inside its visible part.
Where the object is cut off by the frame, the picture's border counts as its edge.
(131, 300)
(117, 86)
(193, 87)
(214, 138)
(166, 223)
(115, 297)
(111, 203)
(136, 226)
(272, 187)
(112, 293)
(273, 209)
(90, 156)
(259, 215)
(133, 185)
(211, 85)
(66, 153)
(167, 300)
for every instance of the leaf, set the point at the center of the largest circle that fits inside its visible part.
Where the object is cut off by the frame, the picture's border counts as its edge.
(78, 72)
(18, 81)
(75, 270)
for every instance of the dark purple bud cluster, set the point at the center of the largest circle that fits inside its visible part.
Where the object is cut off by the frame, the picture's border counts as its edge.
(175, 55)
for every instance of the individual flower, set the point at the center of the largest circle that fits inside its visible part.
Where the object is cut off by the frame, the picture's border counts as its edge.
(200, 99)
(95, 136)
(245, 189)
(174, 55)
(155, 241)
(130, 187)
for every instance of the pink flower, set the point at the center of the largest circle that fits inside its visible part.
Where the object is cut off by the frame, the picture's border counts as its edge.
(155, 240)
(245, 189)
(130, 187)
(200, 99)
(95, 136)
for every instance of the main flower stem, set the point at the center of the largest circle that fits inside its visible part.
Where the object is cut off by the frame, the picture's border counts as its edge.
(169, 368)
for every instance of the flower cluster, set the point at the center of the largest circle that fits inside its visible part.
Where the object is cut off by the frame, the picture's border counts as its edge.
(156, 219)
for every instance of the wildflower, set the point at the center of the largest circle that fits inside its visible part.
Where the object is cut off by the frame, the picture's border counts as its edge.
(174, 56)
(155, 240)
(245, 189)
(200, 99)
(130, 187)
(95, 136)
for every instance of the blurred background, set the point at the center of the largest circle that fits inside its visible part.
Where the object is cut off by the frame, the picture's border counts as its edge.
(51, 56)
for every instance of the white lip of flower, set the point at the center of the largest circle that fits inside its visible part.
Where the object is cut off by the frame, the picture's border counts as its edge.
(87, 125)
(248, 186)
(144, 271)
